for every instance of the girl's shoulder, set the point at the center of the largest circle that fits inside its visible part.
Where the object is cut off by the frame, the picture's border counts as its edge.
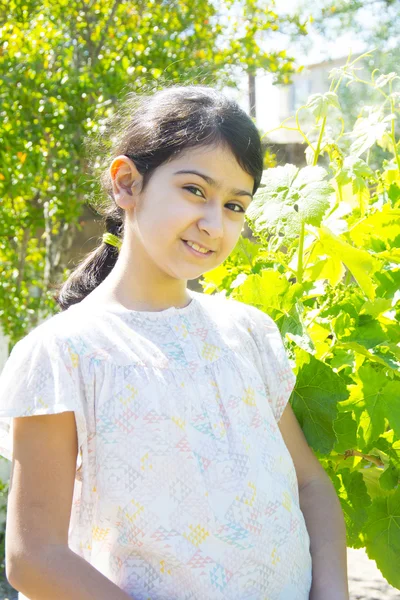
(60, 325)
(226, 308)
(56, 332)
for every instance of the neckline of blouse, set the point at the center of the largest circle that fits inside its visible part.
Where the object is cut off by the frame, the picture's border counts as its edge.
(119, 309)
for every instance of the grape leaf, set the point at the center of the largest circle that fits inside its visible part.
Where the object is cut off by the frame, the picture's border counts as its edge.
(371, 476)
(314, 400)
(289, 196)
(354, 501)
(354, 170)
(360, 262)
(366, 399)
(369, 332)
(345, 428)
(390, 477)
(266, 289)
(391, 395)
(319, 104)
(389, 283)
(382, 535)
(383, 224)
(368, 129)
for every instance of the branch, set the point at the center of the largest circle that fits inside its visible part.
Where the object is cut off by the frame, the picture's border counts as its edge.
(370, 457)
(327, 14)
(21, 259)
(106, 26)
(88, 36)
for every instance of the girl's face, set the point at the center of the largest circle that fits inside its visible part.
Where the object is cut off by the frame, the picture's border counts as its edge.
(206, 207)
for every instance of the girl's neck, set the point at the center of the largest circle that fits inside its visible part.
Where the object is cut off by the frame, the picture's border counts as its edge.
(108, 294)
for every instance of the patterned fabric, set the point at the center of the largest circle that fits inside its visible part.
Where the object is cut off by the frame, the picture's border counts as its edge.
(184, 487)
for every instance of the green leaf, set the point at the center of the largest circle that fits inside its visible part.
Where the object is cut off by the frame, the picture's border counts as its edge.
(288, 197)
(376, 307)
(367, 398)
(394, 194)
(292, 326)
(354, 170)
(360, 263)
(390, 478)
(369, 332)
(368, 129)
(264, 291)
(319, 104)
(385, 79)
(214, 279)
(384, 359)
(382, 224)
(389, 282)
(314, 400)
(354, 501)
(382, 536)
(391, 396)
(386, 448)
(371, 476)
(345, 428)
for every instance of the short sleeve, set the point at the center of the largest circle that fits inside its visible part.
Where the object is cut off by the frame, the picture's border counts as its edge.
(277, 373)
(40, 377)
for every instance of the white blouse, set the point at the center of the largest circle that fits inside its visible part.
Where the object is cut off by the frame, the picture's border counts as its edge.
(184, 486)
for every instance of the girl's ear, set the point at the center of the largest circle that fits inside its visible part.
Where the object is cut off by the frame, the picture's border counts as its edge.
(126, 181)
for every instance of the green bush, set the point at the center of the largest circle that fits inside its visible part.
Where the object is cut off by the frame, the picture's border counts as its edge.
(326, 268)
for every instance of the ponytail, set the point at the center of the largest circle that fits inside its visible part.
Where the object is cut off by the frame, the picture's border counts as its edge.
(93, 269)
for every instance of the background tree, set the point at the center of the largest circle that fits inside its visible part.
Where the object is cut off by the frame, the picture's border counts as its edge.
(373, 21)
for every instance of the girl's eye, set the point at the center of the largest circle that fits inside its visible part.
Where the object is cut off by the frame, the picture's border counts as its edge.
(191, 187)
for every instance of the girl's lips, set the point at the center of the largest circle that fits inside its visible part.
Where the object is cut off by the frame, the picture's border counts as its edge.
(196, 253)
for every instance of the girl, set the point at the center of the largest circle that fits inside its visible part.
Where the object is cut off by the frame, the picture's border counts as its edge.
(152, 465)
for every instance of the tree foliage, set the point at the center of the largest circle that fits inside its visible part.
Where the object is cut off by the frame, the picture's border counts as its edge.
(326, 268)
(373, 21)
(64, 66)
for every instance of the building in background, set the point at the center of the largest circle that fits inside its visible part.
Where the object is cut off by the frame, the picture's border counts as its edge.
(275, 103)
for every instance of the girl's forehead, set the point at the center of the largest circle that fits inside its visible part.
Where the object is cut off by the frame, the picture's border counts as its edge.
(218, 162)
(207, 156)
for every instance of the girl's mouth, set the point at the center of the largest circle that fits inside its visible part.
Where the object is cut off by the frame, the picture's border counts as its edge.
(196, 253)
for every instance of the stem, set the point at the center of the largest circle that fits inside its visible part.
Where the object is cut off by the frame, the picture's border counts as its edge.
(301, 250)
(342, 131)
(300, 129)
(396, 154)
(283, 264)
(341, 77)
(347, 278)
(279, 127)
(321, 133)
(309, 252)
(370, 85)
(374, 459)
(245, 252)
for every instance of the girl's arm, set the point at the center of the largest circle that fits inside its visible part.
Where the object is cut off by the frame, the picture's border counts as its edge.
(322, 513)
(326, 527)
(39, 562)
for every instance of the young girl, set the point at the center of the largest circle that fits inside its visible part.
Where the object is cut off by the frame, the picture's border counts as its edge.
(152, 465)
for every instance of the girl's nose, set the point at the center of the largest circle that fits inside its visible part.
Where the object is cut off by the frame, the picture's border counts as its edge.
(212, 223)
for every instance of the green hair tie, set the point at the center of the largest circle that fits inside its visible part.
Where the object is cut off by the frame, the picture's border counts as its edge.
(113, 240)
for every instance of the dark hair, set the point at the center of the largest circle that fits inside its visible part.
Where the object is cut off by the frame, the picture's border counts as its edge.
(152, 129)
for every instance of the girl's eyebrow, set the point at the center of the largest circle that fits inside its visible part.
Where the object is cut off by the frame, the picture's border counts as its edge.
(214, 183)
